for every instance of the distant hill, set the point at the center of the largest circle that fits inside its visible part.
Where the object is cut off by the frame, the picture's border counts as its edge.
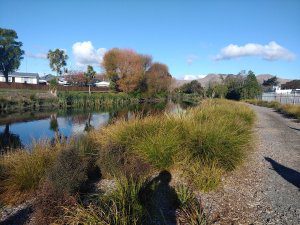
(217, 78)
(261, 77)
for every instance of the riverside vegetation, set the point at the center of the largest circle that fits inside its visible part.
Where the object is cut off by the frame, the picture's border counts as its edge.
(286, 109)
(11, 101)
(196, 147)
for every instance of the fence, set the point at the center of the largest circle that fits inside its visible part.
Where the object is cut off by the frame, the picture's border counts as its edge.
(293, 98)
(46, 87)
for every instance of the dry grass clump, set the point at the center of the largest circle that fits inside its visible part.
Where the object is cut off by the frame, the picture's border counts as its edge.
(50, 203)
(121, 206)
(291, 110)
(22, 171)
(286, 109)
(216, 135)
(68, 172)
(139, 202)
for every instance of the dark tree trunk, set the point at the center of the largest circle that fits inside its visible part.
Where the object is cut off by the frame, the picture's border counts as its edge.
(5, 73)
(6, 130)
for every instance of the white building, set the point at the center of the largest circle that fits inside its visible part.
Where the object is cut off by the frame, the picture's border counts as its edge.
(102, 84)
(278, 90)
(22, 78)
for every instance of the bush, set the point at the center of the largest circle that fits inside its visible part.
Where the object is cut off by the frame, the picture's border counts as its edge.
(50, 203)
(69, 171)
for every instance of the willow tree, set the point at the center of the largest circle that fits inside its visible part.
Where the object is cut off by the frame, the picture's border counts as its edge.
(11, 53)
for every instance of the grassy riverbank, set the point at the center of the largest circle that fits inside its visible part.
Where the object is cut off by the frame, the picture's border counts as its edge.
(19, 100)
(144, 165)
(286, 109)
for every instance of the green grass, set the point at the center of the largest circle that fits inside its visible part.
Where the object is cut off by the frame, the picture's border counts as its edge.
(14, 100)
(217, 134)
(22, 171)
(124, 206)
(198, 146)
(286, 109)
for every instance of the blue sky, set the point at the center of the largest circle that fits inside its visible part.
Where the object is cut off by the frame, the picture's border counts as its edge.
(191, 37)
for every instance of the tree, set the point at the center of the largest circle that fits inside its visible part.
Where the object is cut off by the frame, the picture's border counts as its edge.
(294, 84)
(76, 78)
(11, 53)
(251, 88)
(130, 71)
(53, 86)
(125, 69)
(89, 75)
(217, 90)
(193, 87)
(110, 66)
(158, 79)
(9, 140)
(273, 81)
(234, 86)
(57, 59)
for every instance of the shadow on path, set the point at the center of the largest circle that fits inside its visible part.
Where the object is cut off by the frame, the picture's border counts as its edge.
(293, 128)
(19, 218)
(290, 175)
(159, 200)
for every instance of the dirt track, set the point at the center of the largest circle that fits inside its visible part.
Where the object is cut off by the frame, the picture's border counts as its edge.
(266, 190)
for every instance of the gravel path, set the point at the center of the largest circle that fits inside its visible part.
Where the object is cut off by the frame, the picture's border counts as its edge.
(266, 190)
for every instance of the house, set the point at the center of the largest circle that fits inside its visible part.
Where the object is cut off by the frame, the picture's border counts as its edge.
(63, 81)
(22, 78)
(278, 90)
(102, 84)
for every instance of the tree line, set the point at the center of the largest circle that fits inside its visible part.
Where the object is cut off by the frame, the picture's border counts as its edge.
(126, 70)
(231, 87)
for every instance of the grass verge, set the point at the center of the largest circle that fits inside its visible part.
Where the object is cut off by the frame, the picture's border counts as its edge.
(286, 109)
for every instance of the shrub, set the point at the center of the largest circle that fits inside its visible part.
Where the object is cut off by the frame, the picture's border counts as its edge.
(69, 171)
(50, 203)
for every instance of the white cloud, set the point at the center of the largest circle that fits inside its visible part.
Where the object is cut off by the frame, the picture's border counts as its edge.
(192, 77)
(271, 51)
(191, 58)
(36, 55)
(85, 54)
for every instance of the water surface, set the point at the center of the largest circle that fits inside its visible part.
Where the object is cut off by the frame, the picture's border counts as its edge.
(21, 129)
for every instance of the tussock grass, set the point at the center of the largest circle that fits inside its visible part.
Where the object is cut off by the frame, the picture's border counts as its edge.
(286, 109)
(121, 206)
(291, 110)
(126, 205)
(200, 145)
(217, 134)
(22, 171)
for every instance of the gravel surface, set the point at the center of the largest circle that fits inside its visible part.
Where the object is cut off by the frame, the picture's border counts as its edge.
(266, 189)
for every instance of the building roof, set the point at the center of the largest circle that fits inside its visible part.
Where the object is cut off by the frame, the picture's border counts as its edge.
(19, 74)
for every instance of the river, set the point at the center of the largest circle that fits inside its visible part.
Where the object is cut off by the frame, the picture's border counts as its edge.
(22, 129)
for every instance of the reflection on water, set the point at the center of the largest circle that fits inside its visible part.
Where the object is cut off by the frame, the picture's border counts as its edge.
(19, 130)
